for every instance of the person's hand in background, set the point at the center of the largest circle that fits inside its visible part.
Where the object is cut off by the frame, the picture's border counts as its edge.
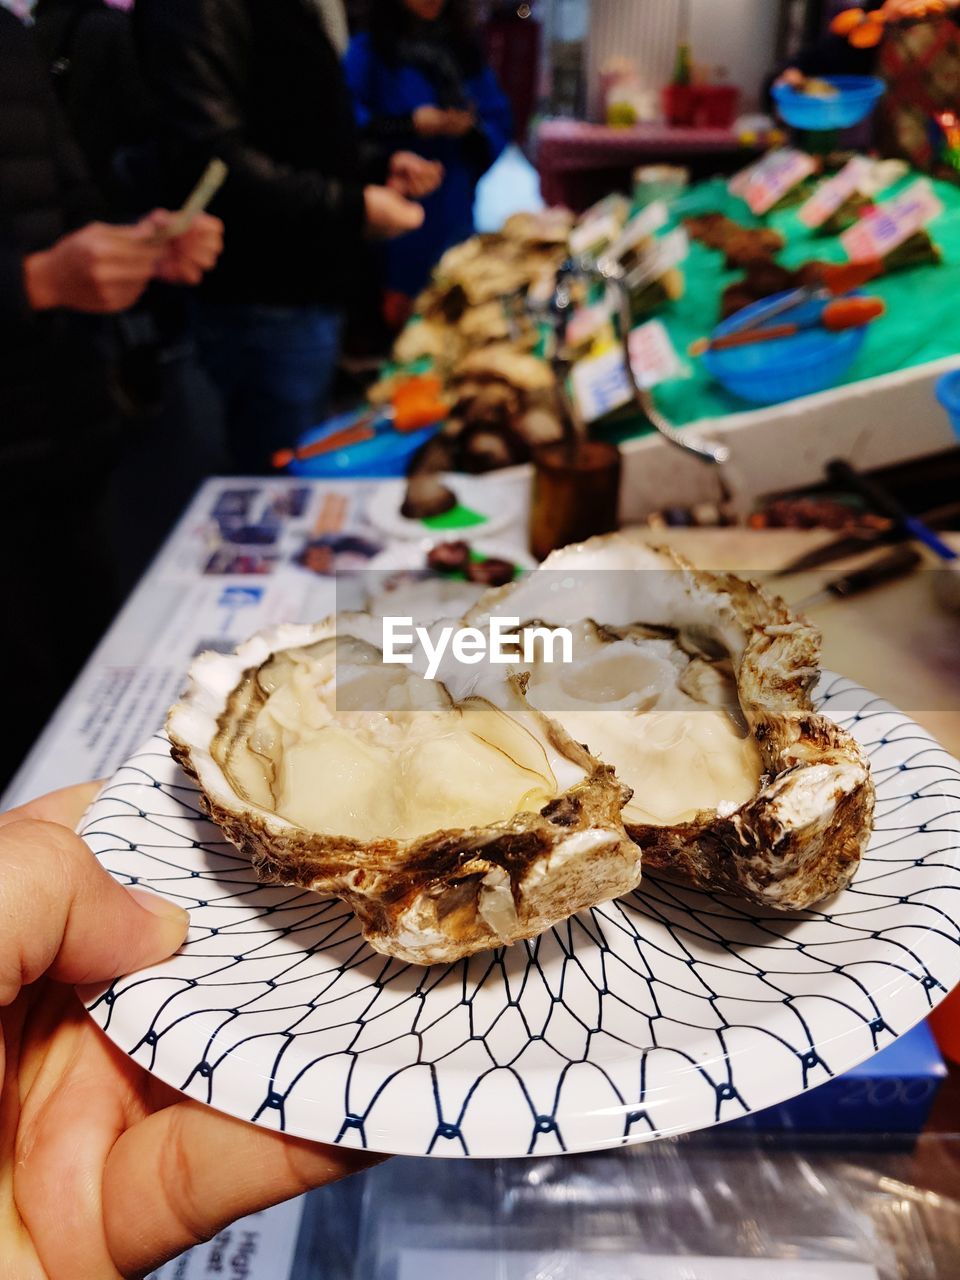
(792, 77)
(100, 269)
(187, 258)
(429, 121)
(390, 214)
(103, 1169)
(459, 123)
(440, 122)
(412, 176)
(103, 269)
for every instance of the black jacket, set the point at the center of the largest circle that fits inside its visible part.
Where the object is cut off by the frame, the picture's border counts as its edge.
(258, 83)
(53, 386)
(90, 53)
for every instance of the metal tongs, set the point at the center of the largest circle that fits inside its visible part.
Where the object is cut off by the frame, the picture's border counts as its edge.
(709, 451)
(558, 309)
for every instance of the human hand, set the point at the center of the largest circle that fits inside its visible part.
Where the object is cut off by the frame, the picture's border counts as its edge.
(429, 121)
(104, 1170)
(413, 176)
(459, 123)
(792, 77)
(100, 269)
(389, 214)
(188, 257)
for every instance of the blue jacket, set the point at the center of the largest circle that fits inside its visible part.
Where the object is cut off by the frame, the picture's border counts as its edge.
(385, 98)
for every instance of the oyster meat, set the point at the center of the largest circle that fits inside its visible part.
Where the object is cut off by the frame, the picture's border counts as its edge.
(448, 825)
(696, 688)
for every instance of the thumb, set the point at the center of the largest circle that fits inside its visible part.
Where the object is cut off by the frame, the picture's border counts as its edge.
(411, 215)
(61, 914)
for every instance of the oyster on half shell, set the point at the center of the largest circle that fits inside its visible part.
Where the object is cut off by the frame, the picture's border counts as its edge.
(457, 815)
(449, 826)
(696, 688)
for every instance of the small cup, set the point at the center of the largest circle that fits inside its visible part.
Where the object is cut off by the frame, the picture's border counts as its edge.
(576, 494)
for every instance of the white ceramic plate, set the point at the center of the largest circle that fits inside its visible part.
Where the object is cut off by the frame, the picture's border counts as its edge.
(666, 1011)
(473, 492)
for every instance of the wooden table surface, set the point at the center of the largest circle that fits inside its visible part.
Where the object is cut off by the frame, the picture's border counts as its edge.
(897, 640)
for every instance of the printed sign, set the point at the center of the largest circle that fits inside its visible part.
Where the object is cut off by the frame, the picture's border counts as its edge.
(600, 382)
(641, 227)
(594, 236)
(891, 223)
(587, 323)
(614, 205)
(600, 225)
(668, 252)
(763, 184)
(260, 1247)
(653, 355)
(828, 198)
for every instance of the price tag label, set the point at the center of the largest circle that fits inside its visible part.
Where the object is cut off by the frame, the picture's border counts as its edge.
(770, 179)
(828, 198)
(615, 205)
(891, 223)
(600, 382)
(260, 1247)
(587, 323)
(653, 355)
(593, 237)
(641, 227)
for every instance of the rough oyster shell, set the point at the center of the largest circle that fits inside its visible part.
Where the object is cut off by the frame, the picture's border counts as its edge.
(431, 898)
(801, 837)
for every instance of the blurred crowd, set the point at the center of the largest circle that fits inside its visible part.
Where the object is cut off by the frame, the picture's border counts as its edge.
(348, 159)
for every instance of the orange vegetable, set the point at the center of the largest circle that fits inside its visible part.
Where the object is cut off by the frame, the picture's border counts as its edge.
(867, 36)
(420, 386)
(418, 402)
(844, 23)
(878, 16)
(852, 313)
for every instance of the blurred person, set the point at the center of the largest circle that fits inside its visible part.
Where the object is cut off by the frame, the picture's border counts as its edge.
(60, 269)
(261, 87)
(105, 1170)
(419, 79)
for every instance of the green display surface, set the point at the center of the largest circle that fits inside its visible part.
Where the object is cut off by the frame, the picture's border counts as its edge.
(923, 303)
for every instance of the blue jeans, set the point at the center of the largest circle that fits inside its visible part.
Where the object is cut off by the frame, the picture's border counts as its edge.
(273, 367)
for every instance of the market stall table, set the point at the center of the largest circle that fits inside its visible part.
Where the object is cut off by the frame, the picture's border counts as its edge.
(882, 412)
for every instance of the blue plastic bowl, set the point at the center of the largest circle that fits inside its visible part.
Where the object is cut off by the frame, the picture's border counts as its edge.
(387, 455)
(856, 98)
(770, 372)
(948, 393)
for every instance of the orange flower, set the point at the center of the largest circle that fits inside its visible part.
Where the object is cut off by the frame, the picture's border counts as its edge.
(867, 36)
(847, 21)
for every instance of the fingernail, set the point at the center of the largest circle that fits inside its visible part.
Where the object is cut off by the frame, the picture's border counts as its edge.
(158, 906)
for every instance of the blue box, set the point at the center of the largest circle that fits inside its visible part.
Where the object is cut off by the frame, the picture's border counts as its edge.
(892, 1092)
